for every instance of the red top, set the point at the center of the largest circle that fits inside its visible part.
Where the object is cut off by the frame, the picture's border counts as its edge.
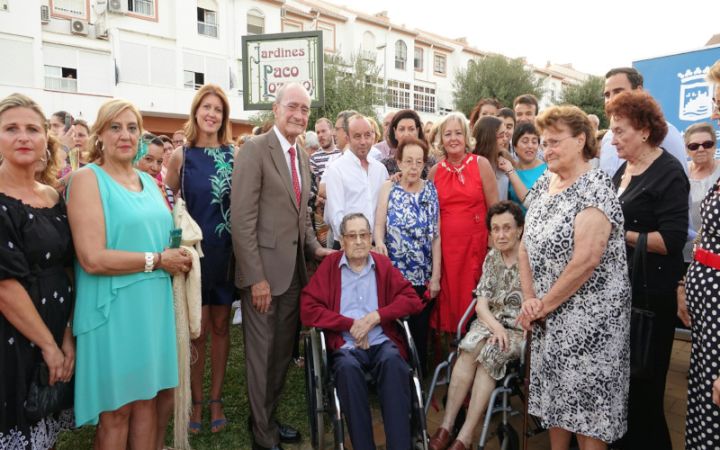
(320, 300)
(463, 238)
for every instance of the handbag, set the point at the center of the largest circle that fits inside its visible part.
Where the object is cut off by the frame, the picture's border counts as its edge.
(642, 320)
(42, 399)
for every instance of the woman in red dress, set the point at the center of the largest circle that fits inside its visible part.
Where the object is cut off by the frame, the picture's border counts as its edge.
(466, 188)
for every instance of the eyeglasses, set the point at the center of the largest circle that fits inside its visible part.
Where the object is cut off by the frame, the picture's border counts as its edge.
(707, 145)
(354, 236)
(552, 143)
(294, 107)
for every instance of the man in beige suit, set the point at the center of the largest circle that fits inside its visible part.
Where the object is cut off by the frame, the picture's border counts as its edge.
(272, 234)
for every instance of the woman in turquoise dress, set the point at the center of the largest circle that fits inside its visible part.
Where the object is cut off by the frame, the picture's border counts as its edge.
(124, 318)
(202, 172)
(526, 141)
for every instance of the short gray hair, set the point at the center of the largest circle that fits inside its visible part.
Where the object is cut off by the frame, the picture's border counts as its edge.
(281, 92)
(311, 140)
(351, 216)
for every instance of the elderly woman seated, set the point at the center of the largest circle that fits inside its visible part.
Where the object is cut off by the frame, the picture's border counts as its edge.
(494, 338)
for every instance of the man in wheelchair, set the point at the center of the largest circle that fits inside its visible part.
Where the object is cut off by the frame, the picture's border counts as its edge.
(356, 296)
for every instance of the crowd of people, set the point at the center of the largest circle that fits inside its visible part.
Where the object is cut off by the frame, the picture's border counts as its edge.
(559, 232)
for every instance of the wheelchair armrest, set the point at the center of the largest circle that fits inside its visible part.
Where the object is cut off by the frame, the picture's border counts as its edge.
(412, 349)
(462, 324)
(323, 349)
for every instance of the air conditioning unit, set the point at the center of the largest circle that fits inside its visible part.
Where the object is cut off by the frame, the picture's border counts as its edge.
(44, 14)
(79, 27)
(117, 6)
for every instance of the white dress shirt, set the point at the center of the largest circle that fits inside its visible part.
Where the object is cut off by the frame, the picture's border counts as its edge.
(285, 144)
(352, 189)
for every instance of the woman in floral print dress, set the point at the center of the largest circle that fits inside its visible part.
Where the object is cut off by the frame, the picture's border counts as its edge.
(202, 171)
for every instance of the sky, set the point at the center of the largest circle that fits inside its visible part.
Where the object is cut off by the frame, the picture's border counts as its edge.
(615, 33)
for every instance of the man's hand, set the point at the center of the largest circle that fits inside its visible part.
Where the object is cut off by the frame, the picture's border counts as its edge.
(361, 327)
(261, 297)
(363, 343)
(322, 252)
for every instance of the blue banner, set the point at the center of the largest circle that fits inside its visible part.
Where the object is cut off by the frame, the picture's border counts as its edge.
(679, 83)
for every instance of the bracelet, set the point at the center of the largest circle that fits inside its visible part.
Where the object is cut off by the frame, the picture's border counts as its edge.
(149, 262)
(157, 264)
(509, 171)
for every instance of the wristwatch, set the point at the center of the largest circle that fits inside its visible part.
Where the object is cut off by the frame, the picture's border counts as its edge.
(149, 262)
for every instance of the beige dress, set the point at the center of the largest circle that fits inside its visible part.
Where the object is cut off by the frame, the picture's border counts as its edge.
(500, 285)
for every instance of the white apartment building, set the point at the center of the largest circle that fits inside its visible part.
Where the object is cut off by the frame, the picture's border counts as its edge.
(75, 54)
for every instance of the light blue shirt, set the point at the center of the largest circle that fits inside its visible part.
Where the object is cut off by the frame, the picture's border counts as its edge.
(673, 143)
(358, 298)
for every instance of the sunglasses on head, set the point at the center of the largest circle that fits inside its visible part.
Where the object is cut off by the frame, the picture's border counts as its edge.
(707, 145)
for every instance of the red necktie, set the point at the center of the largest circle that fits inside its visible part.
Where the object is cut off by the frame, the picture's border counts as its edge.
(293, 171)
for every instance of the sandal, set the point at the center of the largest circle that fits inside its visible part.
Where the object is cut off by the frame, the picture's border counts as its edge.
(195, 427)
(217, 425)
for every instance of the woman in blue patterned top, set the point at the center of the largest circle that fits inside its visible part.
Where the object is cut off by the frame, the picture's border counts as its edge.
(202, 171)
(407, 230)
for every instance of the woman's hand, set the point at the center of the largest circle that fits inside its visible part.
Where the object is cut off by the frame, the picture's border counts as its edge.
(395, 178)
(68, 349)
(534, 309)
(500, 338)
(54, 358)
(434, 286)
(682, 311)
(716, 391)
(175, 261)
(381, 248)
(505, 165)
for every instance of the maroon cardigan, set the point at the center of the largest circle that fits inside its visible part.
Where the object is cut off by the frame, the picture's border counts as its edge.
(320, 300)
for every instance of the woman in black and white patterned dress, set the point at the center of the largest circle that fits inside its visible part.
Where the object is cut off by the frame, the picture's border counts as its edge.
(703, 296)
(702, 285)
(576, 288)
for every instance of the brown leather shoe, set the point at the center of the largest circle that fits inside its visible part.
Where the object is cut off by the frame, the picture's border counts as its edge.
(439, 440)
(457, 445)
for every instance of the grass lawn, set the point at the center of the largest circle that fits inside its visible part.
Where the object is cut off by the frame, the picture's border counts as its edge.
(292, 410)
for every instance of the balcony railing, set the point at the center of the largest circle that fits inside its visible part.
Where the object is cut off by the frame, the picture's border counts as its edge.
(208, 29)
(61, 84)
(144, 7)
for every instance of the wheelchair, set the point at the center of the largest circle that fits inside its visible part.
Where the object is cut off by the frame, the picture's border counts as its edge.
(510, 385)
(323, 401)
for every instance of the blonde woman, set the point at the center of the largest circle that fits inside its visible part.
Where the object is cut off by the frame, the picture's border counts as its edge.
(36, 297)
(124, 318)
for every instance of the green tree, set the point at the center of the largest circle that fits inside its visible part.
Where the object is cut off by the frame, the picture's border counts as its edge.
(494, 76)
(587, 96)
(353, 84)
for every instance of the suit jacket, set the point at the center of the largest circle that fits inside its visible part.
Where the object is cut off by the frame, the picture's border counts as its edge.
(268, 227)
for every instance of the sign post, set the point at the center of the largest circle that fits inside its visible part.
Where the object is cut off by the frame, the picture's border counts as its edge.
(271, 60)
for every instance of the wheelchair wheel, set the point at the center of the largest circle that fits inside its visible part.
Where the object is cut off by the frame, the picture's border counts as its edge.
(507, 437)
(314, 393)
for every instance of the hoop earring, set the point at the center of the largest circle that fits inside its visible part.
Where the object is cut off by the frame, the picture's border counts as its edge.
(47, 155)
